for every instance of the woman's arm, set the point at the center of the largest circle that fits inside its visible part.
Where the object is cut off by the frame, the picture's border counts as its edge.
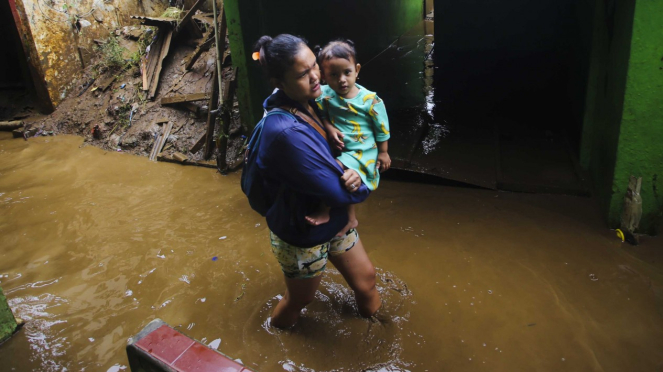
(307, 166)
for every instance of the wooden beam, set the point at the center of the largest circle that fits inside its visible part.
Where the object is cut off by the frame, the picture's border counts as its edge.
(230, 85)
(188, 15)
(10, 125)
(211, 118)
(199, 144)
(206, 18)
(161, 140)
(180, 98)
(155, 52)
(207, 41)
(164, 52)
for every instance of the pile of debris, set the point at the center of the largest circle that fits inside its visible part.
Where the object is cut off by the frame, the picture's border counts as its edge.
(171, 96)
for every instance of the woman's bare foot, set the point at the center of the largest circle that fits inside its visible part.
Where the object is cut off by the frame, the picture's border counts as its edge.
(318, 218)
(351, 225)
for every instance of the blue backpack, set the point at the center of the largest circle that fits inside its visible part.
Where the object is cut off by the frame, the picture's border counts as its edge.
(253, 182)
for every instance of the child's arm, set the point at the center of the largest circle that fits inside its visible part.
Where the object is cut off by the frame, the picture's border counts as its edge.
(384, 160)
(379, 114)
(335, 135)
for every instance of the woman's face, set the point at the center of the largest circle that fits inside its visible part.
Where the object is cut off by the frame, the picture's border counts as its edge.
(302, 81)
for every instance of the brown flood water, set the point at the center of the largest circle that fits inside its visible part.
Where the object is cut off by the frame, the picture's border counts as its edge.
(95, 245)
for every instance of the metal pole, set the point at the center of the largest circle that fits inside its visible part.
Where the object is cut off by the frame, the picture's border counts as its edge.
(218, 53)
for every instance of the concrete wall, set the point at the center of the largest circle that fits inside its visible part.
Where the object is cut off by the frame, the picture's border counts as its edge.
(7, 321)
(640, 146)
(372, 24)
(58, 28)
(623, 129)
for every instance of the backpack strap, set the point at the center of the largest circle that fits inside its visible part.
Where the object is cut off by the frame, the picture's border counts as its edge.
(307, 119)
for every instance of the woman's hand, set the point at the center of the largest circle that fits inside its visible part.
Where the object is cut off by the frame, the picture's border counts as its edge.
(351, 180)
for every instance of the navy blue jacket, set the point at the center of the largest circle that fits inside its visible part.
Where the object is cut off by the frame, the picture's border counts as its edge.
(301, 172)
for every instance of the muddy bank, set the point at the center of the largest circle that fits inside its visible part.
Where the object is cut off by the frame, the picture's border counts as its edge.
(119, 116)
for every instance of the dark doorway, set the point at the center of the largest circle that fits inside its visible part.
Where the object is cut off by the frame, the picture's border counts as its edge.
(17, 93)
(490, 93)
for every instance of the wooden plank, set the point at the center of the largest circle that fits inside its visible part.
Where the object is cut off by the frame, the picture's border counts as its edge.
(164, 52)
(206, 18)
(211, 118)
(10, 125)
(208, 40)
(153, 56)
(156, 21)
(230, 86)
(221, 48)
(161, 140)
(187, 17)
(199, 144)
(180, 98)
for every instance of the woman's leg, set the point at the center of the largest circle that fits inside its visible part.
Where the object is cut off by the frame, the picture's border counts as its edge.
(358, 271)
(299, 293)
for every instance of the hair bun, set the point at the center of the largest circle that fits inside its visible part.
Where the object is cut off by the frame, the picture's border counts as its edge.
(262, 42)
(317, 49)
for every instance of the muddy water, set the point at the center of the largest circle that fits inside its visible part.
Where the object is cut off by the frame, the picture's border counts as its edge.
(95, 245)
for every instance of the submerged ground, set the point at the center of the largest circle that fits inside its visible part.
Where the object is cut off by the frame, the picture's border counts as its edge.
(96, 244)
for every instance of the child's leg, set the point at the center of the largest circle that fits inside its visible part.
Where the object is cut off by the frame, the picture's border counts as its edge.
(319, 217)
(352, 221)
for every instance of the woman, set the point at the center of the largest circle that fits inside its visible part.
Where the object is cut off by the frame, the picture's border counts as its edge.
(301, 173)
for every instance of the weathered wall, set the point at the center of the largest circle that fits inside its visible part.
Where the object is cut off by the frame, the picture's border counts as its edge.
(640, 146)
(623, 124)
(372, 24)
(59, 28)
(7, 321)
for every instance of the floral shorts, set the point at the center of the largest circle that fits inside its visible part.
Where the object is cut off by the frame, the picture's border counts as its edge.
(302, 263)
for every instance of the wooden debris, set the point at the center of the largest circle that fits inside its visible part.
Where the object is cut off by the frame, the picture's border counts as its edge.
(180, 98)
(104, 84)
(10, 125)
(206, 18)
(24, 133)
(156, 21)
(180, 157)
(161, 140)
(199, 144)
(192, 107)
(162, 55)
(161, 121)
(200, 163)
(211, 117)
(205, 44)
(187, 17)
(230, 86)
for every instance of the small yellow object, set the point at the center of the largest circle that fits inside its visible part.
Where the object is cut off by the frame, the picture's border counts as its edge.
(620, 234)
(369, 96)
(352, 109)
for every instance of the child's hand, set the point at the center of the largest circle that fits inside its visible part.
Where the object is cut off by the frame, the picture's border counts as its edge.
(384, 161)
(336, 138)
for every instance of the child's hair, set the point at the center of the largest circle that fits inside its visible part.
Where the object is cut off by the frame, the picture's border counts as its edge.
(277, 55)
(339, 48)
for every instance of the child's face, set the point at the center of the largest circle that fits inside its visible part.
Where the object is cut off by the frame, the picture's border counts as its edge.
(341, 75)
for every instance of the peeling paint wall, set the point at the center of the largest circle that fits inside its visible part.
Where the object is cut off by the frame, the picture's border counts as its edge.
(63, 32)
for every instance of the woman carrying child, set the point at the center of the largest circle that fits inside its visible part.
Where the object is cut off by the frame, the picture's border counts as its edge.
(301, 174)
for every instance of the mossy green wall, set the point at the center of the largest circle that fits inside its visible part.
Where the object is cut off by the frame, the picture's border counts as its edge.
(7, 321)
(640, 147)
(372, 24)
(623, 121)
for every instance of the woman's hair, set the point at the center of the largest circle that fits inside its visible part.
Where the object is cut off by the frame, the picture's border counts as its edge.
(339, 48)
(277, 54)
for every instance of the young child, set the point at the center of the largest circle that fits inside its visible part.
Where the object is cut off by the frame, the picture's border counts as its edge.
(355, 120)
